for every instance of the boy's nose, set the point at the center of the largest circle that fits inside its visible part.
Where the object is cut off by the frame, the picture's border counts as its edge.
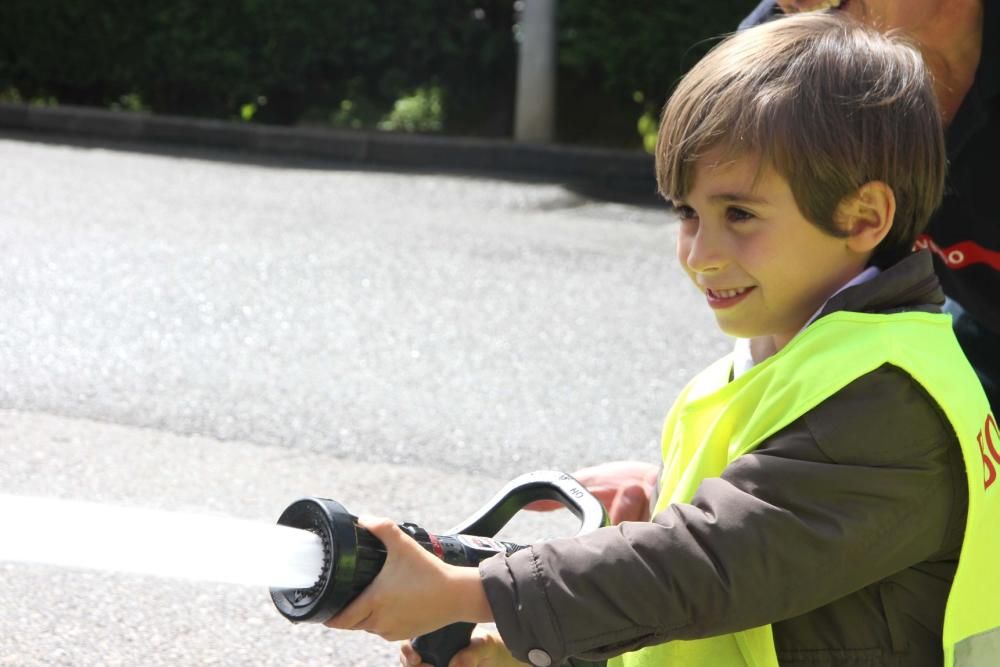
(702, 252)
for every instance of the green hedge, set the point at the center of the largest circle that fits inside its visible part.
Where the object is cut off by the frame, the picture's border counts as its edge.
(620, 59)
(431, 65)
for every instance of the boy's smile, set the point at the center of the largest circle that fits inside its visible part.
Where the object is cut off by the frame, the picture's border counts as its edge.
(764, 268)
(726, 297)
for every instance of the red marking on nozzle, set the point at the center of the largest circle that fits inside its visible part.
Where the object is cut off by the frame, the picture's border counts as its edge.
(438, 549)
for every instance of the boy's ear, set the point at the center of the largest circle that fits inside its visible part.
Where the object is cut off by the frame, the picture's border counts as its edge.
(867, 216)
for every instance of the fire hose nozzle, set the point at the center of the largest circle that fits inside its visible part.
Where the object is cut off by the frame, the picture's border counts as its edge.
(352, 556)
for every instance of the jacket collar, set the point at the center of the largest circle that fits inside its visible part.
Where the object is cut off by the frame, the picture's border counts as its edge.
(906, 285)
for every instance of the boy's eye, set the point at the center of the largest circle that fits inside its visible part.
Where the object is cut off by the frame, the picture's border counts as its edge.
(685, 212)
(734, 214)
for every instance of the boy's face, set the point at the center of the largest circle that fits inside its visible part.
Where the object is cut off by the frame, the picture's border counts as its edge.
(763, 268)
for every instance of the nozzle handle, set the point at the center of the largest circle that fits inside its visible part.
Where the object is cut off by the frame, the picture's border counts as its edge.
(526, 489)
(439, 647)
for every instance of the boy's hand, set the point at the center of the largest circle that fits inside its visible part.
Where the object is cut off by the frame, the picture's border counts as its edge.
(624, 487)
(485, 650)
(414, 593)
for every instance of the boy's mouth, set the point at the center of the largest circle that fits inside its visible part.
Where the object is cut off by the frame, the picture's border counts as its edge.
(724, 298)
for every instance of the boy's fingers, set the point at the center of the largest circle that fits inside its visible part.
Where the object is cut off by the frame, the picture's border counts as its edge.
(629, 505)
(404, 656)
(353, 616)
(386, 530)
(543, 506)
(605, 494)
(378, 526)
(408, 656)
(473, 655)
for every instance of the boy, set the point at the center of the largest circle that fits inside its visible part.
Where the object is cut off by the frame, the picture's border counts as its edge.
(820, 484)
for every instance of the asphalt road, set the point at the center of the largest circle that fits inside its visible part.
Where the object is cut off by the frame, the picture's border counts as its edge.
(200, 331)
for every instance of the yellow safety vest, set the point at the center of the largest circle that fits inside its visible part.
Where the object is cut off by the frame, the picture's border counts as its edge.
(715, 420)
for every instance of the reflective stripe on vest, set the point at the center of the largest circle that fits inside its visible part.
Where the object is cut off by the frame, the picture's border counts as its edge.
(714, 421)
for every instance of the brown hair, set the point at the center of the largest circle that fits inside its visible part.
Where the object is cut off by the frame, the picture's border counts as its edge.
(827, 103)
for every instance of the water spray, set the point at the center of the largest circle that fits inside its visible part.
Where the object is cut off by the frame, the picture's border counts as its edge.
(183, 545)
(315, 561)
(352, 556)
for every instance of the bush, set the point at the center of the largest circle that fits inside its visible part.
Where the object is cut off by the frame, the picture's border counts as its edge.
(619, 61)
(418, 65)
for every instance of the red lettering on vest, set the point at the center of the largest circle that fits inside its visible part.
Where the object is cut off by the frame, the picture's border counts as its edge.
(991, 435)
(961, 254)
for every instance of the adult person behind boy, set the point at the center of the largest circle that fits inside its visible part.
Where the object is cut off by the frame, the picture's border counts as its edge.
(820, 489)
(959, 42)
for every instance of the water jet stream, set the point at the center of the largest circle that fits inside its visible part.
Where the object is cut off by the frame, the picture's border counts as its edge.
(70, 533)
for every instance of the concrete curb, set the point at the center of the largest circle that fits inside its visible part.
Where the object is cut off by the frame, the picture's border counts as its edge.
(618, 174)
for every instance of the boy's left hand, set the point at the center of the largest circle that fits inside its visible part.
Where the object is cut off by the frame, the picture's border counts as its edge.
(414, 593)
(486, 649)
(625, 488)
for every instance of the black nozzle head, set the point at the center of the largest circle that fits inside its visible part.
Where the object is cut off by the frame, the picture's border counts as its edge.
(334, 587)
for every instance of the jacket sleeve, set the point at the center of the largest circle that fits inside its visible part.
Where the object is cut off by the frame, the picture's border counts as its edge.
(863, 486)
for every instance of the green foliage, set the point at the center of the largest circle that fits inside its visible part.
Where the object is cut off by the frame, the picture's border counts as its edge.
(129, 102)
(423, 65)
(621, 59)
(356, 113)
(419, 112)
(270, 61)
(648, 130)
(11, 96)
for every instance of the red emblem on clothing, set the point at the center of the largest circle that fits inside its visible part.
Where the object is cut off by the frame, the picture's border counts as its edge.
(988, 438)
(961, 254)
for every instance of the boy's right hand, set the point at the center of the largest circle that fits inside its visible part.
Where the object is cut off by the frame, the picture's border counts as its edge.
(624, 487)
(485, 650)
(414, 593)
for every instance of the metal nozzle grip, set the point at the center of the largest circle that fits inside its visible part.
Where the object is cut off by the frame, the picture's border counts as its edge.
(439, 647)
(528, 488)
